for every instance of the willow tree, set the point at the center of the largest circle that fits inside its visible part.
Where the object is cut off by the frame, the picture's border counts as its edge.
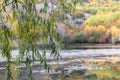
(22, 22)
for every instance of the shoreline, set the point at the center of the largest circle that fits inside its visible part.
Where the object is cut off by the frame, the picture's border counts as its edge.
(91, 46)
(81, 46)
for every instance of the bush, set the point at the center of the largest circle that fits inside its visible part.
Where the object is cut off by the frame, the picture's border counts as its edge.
(79, 37)
(91, 39)
(68, 38)
(91, 10)
(77, 15)
(103, 18)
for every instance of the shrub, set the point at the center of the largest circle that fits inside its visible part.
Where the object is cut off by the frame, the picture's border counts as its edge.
(77, 15)
(79, 37)
(102, 18)
(91, 39)
(101, 30)
(68, 38)
(95, 33)
(114, 31)
(91, 10)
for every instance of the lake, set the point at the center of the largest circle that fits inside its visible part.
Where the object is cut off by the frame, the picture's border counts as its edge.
(76, 64)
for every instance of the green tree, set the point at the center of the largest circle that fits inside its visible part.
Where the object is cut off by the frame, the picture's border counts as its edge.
(21, 21)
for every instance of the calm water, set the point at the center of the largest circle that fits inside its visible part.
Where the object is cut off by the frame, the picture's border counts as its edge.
(84, 64)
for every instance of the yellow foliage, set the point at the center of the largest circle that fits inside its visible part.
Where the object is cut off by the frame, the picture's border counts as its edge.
(113, 61)
(103, 18)
(101, 28)
(96, 29)
(87, 29)
(114, 31)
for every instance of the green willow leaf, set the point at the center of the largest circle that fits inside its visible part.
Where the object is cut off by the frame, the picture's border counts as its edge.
(28, 27)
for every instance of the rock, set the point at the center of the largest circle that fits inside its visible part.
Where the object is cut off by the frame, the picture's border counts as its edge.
(69, 72)
(79, 21)
(87, 15)
(87, 74)
(55, 73)
(69, 16)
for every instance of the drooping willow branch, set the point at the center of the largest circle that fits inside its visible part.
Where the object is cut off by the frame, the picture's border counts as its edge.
(28, 27)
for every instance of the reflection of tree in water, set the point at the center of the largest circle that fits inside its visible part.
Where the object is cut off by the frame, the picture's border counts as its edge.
(111, 73)
(75, 75)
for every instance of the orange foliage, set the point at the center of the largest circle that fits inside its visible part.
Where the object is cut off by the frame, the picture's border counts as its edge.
(71, 31)
(101, 39)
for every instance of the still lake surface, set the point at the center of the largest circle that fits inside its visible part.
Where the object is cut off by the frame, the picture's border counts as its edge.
(76, 64)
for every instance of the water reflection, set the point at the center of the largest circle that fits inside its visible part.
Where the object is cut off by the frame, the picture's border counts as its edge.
(96, 72)
(89, 64)
(100, 74)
